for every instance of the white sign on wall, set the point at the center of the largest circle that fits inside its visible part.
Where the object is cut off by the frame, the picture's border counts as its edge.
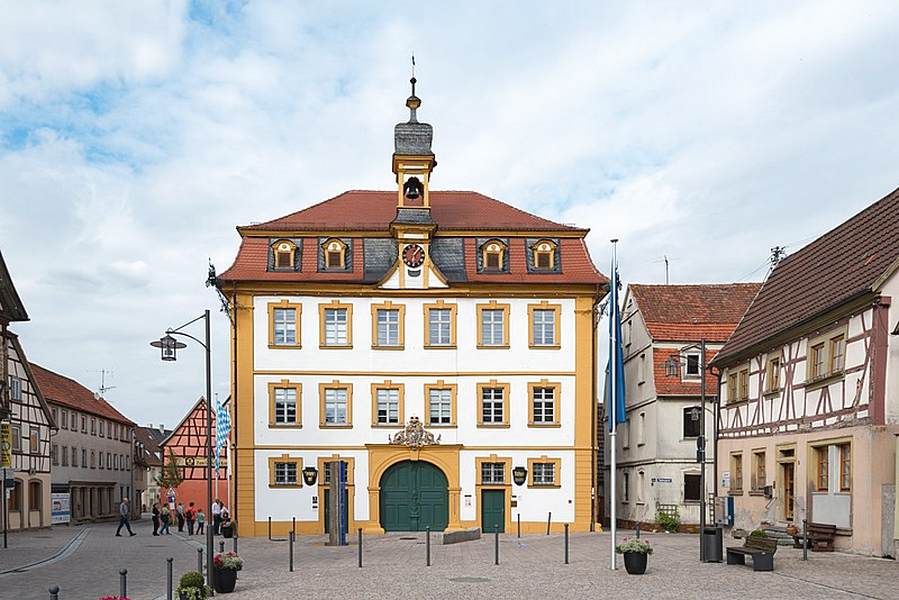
(59, 502)
(725, 480)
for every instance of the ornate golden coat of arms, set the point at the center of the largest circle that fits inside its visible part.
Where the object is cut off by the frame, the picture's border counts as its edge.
(414, 435)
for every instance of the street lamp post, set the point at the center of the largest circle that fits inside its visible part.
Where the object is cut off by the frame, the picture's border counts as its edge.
(169, 347)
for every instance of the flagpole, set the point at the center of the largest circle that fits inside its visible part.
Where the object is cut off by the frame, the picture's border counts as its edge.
(613, 401)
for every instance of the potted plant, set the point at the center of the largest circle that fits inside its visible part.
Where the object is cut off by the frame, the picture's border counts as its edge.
(668, 522)
(635, 552)
(225, 566)
(192, 587)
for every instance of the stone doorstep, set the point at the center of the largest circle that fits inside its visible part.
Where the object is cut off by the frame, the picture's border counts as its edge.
(462, 535)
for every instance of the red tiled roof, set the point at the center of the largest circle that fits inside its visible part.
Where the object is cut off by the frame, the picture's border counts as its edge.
(844, 263)
(59, 389)
(693, 312)
(673, 385)
(373, 210)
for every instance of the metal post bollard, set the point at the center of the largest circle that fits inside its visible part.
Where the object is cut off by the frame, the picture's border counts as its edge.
(168, 578)
(293, 525)
(638, 530)
(549, 519)
(496, 544)
(235, 540)
(428, 546)
(54, 592)
(269, 529)
(199, 560)
(566, 543)
(291, 537)
(360, 547)
(123, 583)
(222, 546)
(519, 525)
(804, 539)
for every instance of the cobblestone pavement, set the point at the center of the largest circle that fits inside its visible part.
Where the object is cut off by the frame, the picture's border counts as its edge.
(92, 570)
(394, 566)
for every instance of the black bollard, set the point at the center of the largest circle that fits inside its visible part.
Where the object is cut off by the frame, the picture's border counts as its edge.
(427, 546)
(54, 592)
(269, 529)
(222, 546)
(199, 560)
(294, 525)
(566, 543)
(638, 530)
(519, 525)
(168, 578)
(549, 519)
(123, 583)
(292, 536)
(235, 540)
(360, 547)
(496, 544)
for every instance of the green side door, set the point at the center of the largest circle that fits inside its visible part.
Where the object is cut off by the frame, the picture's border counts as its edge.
(493, 511)
(414, 496)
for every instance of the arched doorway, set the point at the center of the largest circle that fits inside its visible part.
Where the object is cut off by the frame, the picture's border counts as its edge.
(414, 496)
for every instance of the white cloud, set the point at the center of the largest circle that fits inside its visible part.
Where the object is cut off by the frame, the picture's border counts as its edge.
(706, 135)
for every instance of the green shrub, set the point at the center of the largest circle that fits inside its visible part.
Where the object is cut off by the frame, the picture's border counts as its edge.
(758, 533)
(668, 522)
(191, 579)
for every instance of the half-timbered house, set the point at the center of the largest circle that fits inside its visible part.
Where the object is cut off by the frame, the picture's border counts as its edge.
(24, 410)
(810, 388)
(186, 446)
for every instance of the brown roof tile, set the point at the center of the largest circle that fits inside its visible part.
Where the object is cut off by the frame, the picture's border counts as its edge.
(59, 389)
(844, 263)
(693, 312)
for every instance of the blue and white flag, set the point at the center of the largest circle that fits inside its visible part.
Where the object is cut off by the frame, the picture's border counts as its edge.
(222, 431)
(615, 370)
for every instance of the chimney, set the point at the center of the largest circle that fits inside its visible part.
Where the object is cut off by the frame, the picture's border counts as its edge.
(161, 428)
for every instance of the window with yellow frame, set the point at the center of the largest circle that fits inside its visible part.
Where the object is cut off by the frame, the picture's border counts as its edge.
(284, 255)
(493, 254)
(493, 325)
(544, 472)
(440, 325)
(543, 403)
(388, 326)
(285, 404)
(334, 254)
(544, 255)
(335, 405)
(440, 404)
(285, 471)
(387, 404)
(545, 325)
(493, 404)
(284, 324)
(335, 325)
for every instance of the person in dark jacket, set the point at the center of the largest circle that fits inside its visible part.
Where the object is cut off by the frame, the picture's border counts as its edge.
(155, 518)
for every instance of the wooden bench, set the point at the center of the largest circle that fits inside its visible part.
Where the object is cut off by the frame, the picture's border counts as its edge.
(820, 537)
(761, 549)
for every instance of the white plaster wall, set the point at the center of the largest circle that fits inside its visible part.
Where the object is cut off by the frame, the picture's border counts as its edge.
(285, 503)
(891, 289)
(466, 357)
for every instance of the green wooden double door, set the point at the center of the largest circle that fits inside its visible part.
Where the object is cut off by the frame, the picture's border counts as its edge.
(414, 497)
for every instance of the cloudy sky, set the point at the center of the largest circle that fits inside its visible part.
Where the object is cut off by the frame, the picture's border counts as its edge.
(134, 137)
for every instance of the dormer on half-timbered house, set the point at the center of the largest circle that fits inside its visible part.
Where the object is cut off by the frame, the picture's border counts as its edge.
(24, 410)
(434, 342)
(809, 412)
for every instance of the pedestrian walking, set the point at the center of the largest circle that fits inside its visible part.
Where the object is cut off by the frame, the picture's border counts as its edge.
(155, 518)
(201, 521)
(166, 520)
(190, 516)
(179, 512)
(124, 517)
(216, 516)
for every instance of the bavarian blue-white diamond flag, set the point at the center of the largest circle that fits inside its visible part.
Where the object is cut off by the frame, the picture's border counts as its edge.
(222, 431)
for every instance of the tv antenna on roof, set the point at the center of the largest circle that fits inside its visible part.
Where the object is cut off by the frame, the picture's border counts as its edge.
(103, 387)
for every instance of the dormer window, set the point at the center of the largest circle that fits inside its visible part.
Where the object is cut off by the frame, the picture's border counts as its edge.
(544, 255)
(335, 254)
(284, 253)
(494, 252)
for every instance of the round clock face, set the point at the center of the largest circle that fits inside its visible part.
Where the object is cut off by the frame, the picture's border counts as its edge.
(413, 255)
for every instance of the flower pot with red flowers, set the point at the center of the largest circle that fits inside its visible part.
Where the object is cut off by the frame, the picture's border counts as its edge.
(225, 566)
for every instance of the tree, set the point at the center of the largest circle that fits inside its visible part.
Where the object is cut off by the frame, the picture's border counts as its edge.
(170, 476)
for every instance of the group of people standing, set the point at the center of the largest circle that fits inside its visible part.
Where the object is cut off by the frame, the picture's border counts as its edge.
(193, 517)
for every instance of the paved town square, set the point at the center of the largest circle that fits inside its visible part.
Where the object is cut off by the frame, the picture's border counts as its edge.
(394, 566)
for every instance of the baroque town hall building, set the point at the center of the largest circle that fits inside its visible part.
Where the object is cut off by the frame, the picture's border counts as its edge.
(414, 312)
